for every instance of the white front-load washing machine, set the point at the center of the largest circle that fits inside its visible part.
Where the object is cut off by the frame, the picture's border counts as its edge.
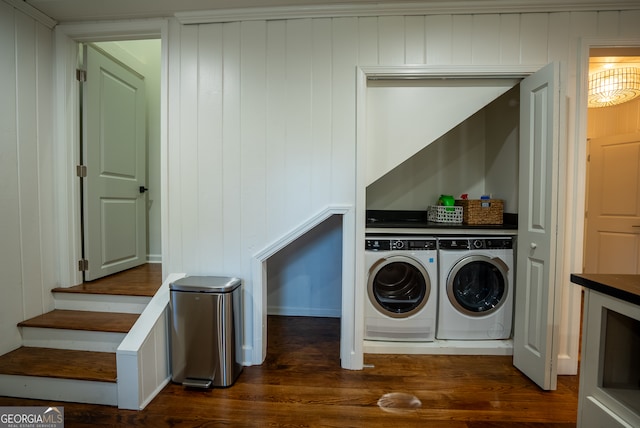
(476, 288)
(401, 298)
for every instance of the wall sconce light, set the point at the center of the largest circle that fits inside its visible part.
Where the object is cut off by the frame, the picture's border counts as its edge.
(613, 86)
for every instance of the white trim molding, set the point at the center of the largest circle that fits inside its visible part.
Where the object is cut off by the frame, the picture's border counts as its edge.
(441, 7)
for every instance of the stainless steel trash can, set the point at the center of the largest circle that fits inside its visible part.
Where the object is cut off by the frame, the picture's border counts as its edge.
(206, 331)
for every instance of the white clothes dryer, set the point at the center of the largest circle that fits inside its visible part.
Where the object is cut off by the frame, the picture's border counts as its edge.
(401, 297)
(476, 288)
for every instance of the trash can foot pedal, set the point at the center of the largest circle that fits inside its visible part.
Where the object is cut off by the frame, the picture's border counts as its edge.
(197, 383)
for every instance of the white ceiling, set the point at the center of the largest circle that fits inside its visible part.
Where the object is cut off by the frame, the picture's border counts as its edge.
(77, 10)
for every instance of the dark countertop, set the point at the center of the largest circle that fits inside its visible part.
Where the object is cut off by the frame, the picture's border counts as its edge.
(435, 225)
(383, 221)
(623, 287)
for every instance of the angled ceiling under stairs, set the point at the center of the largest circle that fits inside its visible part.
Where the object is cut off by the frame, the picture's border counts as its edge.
(405, 116)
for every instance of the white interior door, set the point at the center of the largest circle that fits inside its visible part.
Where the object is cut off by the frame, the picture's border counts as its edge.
(114, 152)
(612, 243)
(535, 329)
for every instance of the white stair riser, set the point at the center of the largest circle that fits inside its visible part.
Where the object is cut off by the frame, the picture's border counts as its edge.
(101, 303)
(78, 340)
(70, 390)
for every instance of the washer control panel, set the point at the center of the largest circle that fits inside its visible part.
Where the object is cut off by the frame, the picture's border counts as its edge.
(499, 243)
(408, 244)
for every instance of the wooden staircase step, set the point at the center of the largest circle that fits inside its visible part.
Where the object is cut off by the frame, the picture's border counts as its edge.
(60, 364)
(83, 320)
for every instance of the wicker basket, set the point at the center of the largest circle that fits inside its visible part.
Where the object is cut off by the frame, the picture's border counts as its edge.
(481, 211)
(443, 214)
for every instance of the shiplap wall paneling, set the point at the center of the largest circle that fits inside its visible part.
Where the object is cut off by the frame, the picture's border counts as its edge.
(343, 110)
(298, 150)
(415, 40)
(368, 41)
(276, 129)
(191, 179)
(629, 23)
(210, 148)
(27, 144)
(391, 39)
(509, 39)
(560, 45)
(462, 39)
(10, 257)
(231, 132)
(485, 43)
(609, 23)
(46, 194)
(253, 98)
(172, 237)
(321, 116)
(439, 39)
(26, 172)
(534, 31)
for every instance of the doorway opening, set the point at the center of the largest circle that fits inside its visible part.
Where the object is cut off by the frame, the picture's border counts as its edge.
(304, 288)
(120, 148)
(67, 129)
(612, 216)
(538, 207)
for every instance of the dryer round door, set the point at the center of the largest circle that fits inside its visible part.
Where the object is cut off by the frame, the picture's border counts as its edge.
(478, 285)
(398, 286)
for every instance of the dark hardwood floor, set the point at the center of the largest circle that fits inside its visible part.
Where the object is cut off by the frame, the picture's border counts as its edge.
(301, 384)
(143, 280)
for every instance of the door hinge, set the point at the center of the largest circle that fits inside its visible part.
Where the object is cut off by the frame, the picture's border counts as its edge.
(81, 75)
(83, 265)
(81, 171)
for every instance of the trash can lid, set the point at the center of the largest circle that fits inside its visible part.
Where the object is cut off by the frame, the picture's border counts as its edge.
(206, 284)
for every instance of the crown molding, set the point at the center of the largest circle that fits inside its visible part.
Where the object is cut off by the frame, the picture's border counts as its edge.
(34, 13)
(436, 7)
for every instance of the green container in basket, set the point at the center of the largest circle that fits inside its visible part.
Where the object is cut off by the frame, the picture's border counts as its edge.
(447, 201)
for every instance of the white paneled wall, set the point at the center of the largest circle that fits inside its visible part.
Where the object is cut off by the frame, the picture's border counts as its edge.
(261, 129)
(615, 120)
(27, 267)
(262, 114)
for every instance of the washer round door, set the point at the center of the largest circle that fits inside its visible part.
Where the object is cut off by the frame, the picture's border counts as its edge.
(398, 286)
(477, 285)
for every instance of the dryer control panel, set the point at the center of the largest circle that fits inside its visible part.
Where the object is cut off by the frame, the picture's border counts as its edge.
(409, 244)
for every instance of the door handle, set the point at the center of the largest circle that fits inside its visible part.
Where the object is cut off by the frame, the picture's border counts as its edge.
(143, 189)
(534, 245)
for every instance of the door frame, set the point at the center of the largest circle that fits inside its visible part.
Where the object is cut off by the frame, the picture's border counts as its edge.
(411, 72)
(575, 205)
(66, 123)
